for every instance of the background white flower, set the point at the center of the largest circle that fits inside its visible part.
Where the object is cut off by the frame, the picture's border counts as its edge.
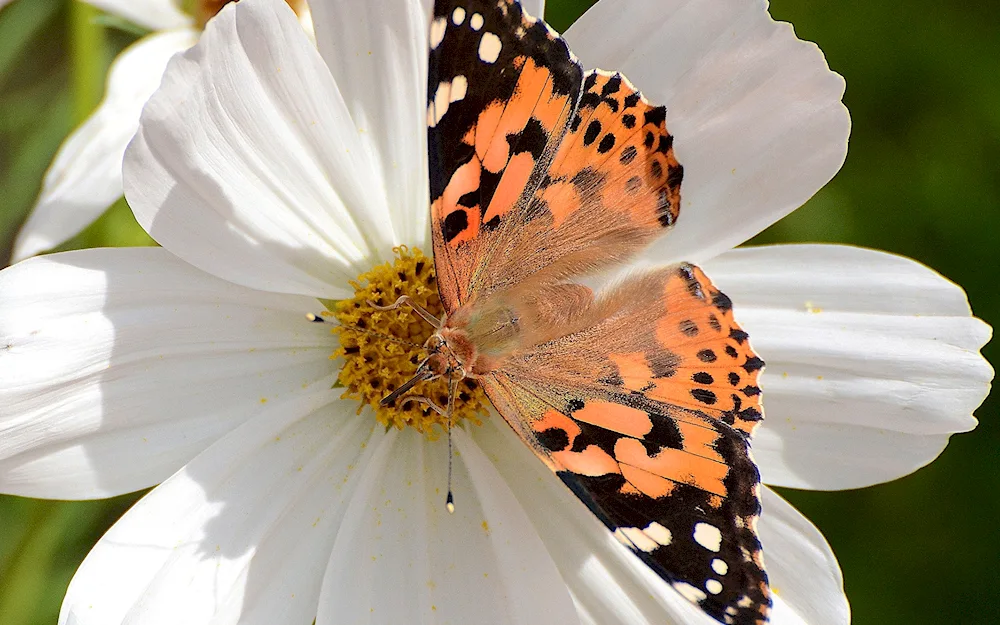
(123, 368)
(85, 177)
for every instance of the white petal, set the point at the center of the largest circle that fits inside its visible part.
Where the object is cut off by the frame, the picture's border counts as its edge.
(801, 568)
(756, 114)
(377, 53)
(120, 365)
(534, 8)
(152, 14)
(401, 558)
(247, 163)
(86, 175)
(240, 535)
(872, 361)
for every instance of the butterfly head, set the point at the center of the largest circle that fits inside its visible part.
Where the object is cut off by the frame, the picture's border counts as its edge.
(451, 354)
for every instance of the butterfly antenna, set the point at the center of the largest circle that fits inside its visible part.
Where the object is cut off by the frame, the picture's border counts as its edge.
(450, 499)
(392, 339)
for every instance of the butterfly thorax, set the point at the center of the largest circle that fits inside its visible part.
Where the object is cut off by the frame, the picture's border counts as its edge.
(486, 332)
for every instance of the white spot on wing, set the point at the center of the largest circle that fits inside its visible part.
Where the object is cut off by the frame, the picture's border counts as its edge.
(689, 592)
(458, 16)
(708, 536)
(713, 586)
(459, 87)
(720, 566)
(639, 539)
(438, 27)
(659, 533)
(476, 21)
(437, 108)
(489, 48)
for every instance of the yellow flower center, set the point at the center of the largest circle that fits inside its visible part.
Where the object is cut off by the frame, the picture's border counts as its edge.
(383, 348)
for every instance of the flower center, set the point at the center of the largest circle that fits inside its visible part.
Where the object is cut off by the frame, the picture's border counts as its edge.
(205, 10)
(383, 348)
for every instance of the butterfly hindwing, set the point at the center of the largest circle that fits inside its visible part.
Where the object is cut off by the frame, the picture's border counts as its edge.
(615, 408)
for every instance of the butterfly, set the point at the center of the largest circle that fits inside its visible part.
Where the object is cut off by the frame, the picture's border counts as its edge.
(642, 397)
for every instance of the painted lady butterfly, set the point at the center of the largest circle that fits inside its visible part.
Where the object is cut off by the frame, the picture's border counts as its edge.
(641, 399)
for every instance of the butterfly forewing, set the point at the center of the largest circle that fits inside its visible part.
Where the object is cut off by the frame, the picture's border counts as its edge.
(501, 87)
(612, 187)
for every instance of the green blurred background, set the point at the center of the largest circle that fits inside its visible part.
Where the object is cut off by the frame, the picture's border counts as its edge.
(922, 179)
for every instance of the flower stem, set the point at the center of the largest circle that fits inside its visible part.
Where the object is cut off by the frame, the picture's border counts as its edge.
(87, 58)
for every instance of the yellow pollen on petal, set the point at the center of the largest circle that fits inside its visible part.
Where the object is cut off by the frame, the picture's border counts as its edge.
(382, 349)
(205, 10)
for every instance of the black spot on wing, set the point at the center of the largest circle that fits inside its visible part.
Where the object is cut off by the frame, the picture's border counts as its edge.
(656, 116)
(454, 224)
(666, 142)
(664, 209)
(722, 301)
(628, 155)
(664, 435)
(707, 355)
(675, 174)
(532, 140)
(703, 377)
(553, 439)
(738, 335)
(606, 144)
(586, 180)
(613, 84)
(705, 396)
(662, 364)
(470, 199)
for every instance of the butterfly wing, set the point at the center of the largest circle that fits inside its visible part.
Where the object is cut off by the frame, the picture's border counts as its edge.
(536, 168)
(645, 412)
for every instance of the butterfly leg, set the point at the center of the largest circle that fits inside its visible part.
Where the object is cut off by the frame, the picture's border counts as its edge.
(404, 300)
(420, 399)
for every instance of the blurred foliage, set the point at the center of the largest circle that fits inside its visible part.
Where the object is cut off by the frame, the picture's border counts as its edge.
(921, 179)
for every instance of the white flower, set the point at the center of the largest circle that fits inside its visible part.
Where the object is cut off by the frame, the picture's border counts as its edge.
(272, 175)
(85, 176)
